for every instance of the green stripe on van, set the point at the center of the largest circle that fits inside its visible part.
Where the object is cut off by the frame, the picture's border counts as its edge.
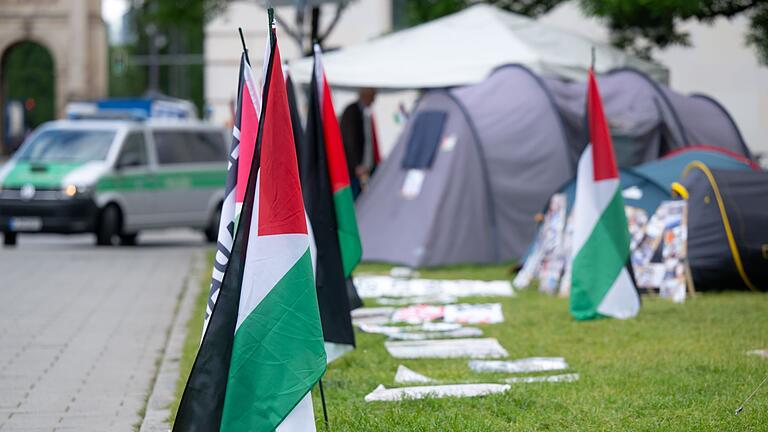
(164, 180)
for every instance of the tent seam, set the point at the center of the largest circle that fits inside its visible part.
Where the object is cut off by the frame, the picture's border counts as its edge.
(655, 86)
(720, 107)
(486, 179)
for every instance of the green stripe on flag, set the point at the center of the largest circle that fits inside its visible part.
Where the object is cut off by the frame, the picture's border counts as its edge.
(346, 223)
(277, 354)
(598, 263)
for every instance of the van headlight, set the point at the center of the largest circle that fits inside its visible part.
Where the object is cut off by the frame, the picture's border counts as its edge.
(72, 190)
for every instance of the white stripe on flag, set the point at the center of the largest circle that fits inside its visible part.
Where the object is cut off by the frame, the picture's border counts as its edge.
(268, 259)
(591, 200)
(253, 90)
(301, 419)
(621, 301)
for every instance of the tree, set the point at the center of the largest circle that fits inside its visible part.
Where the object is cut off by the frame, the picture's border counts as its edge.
(29, 78)
(176, 29)
(418, 11)
(642, 26)
(639, 26)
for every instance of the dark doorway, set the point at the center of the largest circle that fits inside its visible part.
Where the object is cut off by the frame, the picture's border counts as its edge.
(27, 92)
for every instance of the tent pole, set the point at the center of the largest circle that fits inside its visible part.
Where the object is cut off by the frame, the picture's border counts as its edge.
(741, 407)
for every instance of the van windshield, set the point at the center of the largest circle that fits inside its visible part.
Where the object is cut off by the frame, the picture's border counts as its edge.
(68, 145)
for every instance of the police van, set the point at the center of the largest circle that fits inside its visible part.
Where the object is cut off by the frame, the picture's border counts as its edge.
(114, 177)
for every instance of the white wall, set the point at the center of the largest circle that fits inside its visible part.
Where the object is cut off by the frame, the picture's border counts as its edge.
(718, 64)
(363, 19)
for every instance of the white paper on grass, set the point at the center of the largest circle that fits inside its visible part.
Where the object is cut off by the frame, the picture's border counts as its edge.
(531, 364)
(428, 299)
(403, 272)
(548, 378)
(473, 313)
(382, 393)
(759, 352)
(374, 286)
(407, 376)
(426, 327)
(451, 348)
(373, 315)
(464, 332)
(490, 313)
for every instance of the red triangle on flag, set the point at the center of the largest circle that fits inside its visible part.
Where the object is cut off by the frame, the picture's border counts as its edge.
(281, 206)
(604, 161)
(337, 159)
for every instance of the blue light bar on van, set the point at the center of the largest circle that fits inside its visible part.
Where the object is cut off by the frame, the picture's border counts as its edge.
(132, 109)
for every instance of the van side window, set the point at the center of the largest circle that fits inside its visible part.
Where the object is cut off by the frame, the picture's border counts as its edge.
(175, 147)
(134, 151)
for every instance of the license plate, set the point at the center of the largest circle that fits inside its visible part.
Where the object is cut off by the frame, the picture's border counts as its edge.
(26, 224)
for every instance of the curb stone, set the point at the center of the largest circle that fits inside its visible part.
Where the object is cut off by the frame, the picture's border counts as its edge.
(163, 392)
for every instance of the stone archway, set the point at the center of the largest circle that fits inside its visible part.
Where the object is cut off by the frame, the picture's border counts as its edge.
(27, 80)
(74, 34)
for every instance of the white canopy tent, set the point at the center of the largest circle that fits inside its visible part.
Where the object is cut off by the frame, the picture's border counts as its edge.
(464, 48)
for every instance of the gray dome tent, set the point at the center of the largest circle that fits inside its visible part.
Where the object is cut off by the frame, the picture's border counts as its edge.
(475, 164)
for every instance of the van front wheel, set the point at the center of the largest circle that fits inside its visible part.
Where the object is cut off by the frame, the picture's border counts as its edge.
(109, 226)
(9, 238)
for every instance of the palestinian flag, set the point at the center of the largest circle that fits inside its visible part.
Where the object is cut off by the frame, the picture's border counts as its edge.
(263, 349)
(346, 222)
(238, 166)
(328, 200)
(600, 282)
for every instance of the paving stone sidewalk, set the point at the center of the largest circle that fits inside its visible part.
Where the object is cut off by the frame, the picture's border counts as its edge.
(83, 331)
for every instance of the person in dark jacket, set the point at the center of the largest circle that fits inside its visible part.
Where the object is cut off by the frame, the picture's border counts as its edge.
(358, 132)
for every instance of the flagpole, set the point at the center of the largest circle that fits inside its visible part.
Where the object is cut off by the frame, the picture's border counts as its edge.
(242, 40)
(272, 25)
(325, 411)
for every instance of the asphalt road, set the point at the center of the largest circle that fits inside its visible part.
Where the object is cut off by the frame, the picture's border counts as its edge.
(82, 328)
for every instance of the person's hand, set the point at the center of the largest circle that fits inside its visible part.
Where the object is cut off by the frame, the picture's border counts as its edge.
(361, 171)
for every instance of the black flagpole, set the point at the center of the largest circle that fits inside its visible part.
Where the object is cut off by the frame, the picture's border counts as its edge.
(242, 40)
(325, 411)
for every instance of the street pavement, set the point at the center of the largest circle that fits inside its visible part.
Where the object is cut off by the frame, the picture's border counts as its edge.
(83, 329)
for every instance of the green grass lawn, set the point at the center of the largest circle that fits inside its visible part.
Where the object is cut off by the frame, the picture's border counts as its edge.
(674, 367)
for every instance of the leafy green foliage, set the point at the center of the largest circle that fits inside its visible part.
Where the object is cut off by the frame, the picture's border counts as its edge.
(642, 25)
(28, 71)
(418, 11)
(178, 29)
(639, 26)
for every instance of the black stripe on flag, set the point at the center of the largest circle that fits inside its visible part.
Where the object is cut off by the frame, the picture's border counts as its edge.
(203, 399)
(318, 200)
